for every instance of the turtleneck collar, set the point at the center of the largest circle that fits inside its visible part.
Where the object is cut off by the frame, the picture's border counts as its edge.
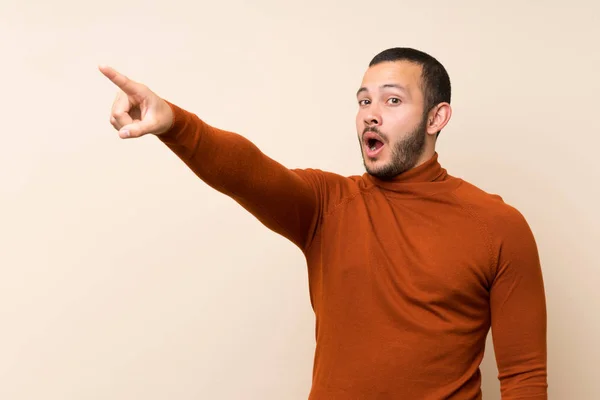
(426, 178)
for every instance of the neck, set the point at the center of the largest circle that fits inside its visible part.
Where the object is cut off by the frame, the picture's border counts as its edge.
(428, 153)
(423, 179)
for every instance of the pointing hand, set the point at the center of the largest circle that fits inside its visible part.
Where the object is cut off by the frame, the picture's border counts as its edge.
(136, 110)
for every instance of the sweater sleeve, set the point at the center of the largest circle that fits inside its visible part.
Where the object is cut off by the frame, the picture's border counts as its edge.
(287, 201)
(518, 310)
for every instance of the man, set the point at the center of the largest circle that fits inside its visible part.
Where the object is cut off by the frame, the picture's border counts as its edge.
(409, 267)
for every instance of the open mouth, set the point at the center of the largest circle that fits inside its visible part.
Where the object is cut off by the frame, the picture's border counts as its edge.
(373, 143)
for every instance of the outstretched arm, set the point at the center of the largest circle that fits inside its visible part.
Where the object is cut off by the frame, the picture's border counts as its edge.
(518, 309)
(287, 201)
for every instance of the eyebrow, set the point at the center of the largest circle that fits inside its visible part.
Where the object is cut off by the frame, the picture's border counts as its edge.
(386, 86)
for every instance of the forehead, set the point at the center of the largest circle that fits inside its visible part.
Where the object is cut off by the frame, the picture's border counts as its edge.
(401, 73)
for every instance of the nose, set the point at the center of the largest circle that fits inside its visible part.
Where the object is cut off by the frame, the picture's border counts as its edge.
(372, 117)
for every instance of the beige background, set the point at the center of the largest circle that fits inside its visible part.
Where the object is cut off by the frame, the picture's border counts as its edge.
(122, 276)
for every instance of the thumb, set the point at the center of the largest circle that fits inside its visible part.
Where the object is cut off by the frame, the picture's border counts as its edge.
(137, 129)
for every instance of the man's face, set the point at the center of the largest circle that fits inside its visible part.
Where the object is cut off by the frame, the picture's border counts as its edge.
(391, 122)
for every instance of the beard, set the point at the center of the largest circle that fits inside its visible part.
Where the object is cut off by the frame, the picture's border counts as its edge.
(404, 154)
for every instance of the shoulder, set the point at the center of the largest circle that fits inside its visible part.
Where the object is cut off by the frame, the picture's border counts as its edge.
(329, 180)
(509, 233)
(332, 188)
(490, 208)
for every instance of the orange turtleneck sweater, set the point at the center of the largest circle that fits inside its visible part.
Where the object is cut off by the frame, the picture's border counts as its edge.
(406, 276)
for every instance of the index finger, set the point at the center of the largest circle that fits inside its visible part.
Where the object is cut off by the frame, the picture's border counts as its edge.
(123, 82)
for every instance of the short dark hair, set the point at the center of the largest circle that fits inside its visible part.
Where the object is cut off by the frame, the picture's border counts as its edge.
(435, 82)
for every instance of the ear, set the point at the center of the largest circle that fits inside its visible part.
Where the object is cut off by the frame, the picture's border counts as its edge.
(438, 117)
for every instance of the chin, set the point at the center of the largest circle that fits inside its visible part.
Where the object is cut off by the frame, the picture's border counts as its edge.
(375, 164)
(384, 168)
(379, 167)
(381, 172)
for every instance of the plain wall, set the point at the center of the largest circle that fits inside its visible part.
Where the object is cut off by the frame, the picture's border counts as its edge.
(123, 276)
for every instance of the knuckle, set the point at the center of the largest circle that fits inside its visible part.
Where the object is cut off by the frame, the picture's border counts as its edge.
(118, 113)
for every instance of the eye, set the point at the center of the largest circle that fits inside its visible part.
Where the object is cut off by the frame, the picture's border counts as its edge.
(364, 102)
(394, 100)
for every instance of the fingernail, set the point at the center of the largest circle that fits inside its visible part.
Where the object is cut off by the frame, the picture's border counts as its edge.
(125, 133)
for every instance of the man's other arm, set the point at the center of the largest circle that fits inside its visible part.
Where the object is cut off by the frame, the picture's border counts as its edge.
(518, 310)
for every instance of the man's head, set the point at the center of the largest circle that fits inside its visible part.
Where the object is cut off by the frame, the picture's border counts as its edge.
(404, 102)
